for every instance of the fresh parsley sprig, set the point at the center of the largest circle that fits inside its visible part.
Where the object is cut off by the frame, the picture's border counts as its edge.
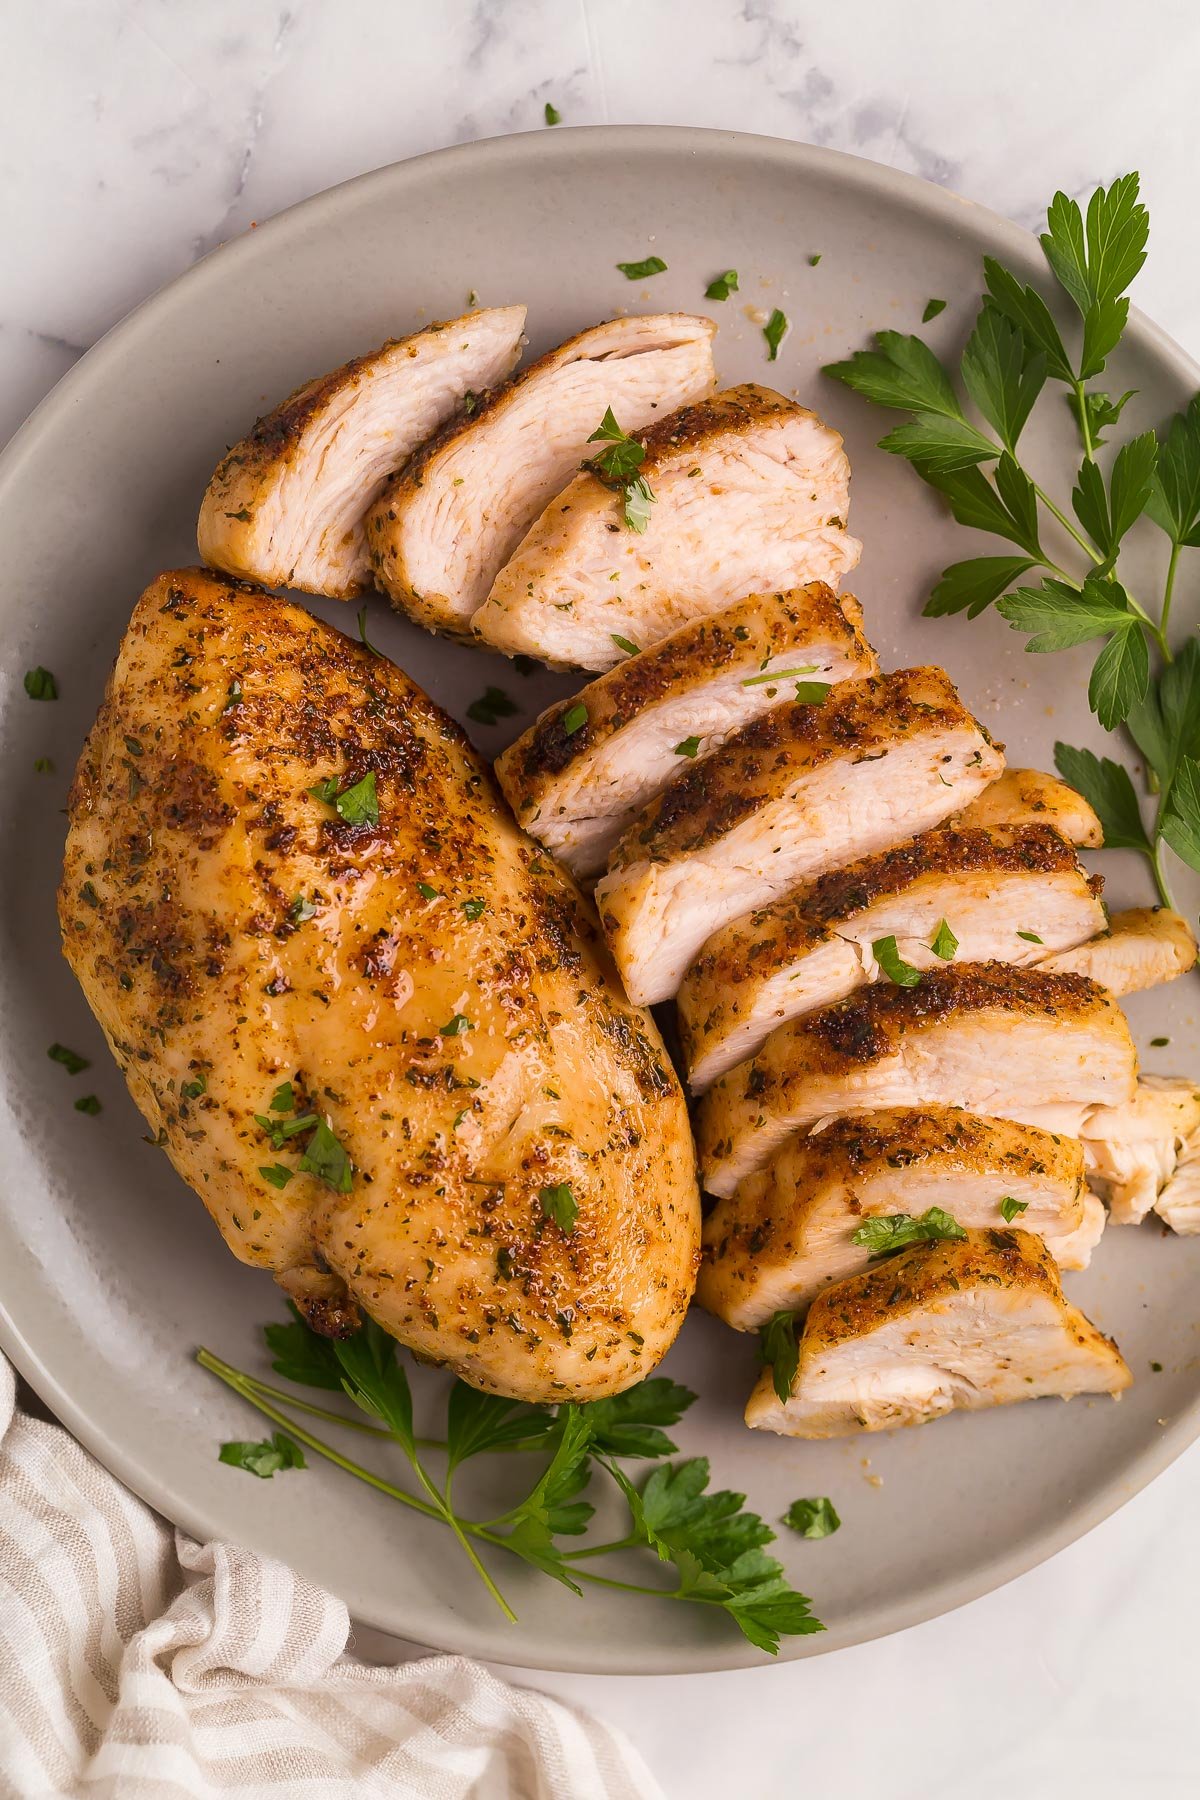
(713, 1546)
(618, 466)
(972, 457)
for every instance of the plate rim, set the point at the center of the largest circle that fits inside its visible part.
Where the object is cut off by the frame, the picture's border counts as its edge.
(522, 150)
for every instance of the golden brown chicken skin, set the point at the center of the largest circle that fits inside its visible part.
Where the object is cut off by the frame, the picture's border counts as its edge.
(499, 1167)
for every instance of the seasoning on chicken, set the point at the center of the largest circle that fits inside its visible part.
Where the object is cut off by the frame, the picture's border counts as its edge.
(1139, 949)
(798, 792)
(965, 1323)
(286, 506)
(984, 1036)
(441, 531)
(1007, 894)
(372, 1024)
(579, 776)
(791, 1229)
(750, 493)
(1031, 797)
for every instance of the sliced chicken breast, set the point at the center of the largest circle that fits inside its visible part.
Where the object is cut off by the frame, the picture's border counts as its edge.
(1005, 895)
(440, 532)
(790, 1229)
(1139, 949)
(578, 777)
(1132, 1150)
(1178, 1203)
(1031, 797)
(750, 492)
(786, 798)
(286, 506)
(958, 1324)
(984, 1036)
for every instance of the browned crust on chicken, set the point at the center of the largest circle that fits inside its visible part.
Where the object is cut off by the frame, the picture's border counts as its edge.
(753, 631)
(1032, 797)
(735, 412)
(720, 791)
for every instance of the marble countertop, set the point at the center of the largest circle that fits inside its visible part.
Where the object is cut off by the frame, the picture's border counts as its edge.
(138, 134)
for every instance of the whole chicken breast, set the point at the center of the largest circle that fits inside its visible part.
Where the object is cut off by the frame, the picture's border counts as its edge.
(286, 505)
(1007, 894)
(442, 529)
(958, 1324)
(789, 1230)
(1032, 797)
(750, 492)
(1139, 948)
(985, 1036)
(578, 777)
(796, 793)
(371, 1024)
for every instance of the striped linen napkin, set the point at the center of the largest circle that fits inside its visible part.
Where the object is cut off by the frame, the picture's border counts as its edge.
(137, 1664)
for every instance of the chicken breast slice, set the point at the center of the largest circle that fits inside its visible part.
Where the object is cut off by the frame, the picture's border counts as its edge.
(798, 792)
(1032, 797)
(1178, 1202)
(1005, 894)
(286, 506)
(958, 1324)
(442, 529)
(750, 492)
(1131, 1150)
(789, 1230)
(1139, 949)
(294, 898)
(985, 1036)
(578, 777)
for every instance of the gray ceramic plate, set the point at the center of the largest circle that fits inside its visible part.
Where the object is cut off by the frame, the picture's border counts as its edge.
(110, 1273)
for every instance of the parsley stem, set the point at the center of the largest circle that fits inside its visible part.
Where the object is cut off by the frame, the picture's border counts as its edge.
(1047, 502)
(1085, 428)
(1160, 880)
(625, 1543)
(1168, 595)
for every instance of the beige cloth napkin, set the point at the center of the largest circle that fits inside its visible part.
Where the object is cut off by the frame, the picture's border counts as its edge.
(136, 1663)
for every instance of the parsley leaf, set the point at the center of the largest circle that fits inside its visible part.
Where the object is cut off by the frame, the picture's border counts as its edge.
(266, 1458)
(1098, 412)
(688, 746)
(778, 1349)
(283, 1100)
(301, 910)
(458, 1026)
(640, 271)
(574, 719)
(325, 1157)
(944, 944)
(1030, 314)
(192, 1090)
(639, 498)
(999, 374)
(629, 1424)
(1011, 1209)
(1031, 937)
(89, 1104)
(474, 909)
(552, 114)
(1059, 616)
(1180, 820)
(1166, 723)
(1174, 502)
(71, 1061)
(1120, 677)
(887, 955)
(618, 466)
(278, 1174)
(624, 643)
(812, 693)
(1008, 509)
(971, 586)
(1107, 517)
(1095, 261)
(299, 1354)
(375, 1381)
(812, 1518)
(775, 330)
(932, 309)
(721, 286)
(560, 1206)
(902, 372)
(359, 805)
(40, 684)
(477, 1423)
(1106, 786)
(427, 891)
(883, 1235)
(492, 706)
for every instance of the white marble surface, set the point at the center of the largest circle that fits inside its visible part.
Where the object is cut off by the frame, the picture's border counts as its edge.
(135, 136)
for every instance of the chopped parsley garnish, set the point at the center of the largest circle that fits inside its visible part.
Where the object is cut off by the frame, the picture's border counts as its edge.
(71, 1060)
(1031, 937)
(325, 791)
(43, 765)
(233, 694)
(88, 893)
(888, 956)
(40, 684)
(280, 1130)
(1159, 1043)
(574, 719)
(812, 1518)
(357, 804)
(778, 1349)
(474, 909)
(553, 116)
(301, 909)
(882, 1236)
(88, 1104)
(639, 498)
(812, 693)
(362, 632)
(457, 1026)
(722, 286)
(283, 1100)
(427, 891)
(267, 1458)
(278, 1174)
(560, 1206)
(814, 260)
(639, 271)
(624, 643)
(778, 675)
(688, 747)
(775, 330)
(1009, 1208)
(492, 706)
(325, 1157)
(932, 309)
(618, 466)
(192, 1090)
(944, 944)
